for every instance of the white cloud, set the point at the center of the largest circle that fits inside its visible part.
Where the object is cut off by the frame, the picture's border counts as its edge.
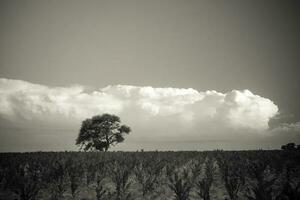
(169, 111)
(32, 101)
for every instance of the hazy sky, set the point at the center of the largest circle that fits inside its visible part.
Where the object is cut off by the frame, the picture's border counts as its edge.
(240, 60)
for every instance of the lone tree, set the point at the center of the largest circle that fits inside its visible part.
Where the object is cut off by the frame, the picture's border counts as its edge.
(101, 131)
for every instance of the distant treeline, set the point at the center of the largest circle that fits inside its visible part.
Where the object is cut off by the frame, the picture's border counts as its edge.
(290, 146)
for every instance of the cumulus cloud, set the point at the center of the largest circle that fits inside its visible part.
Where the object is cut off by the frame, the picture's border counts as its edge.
(24, 100)
(170, 112)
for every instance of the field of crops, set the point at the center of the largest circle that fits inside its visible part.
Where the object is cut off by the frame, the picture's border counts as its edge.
(261, 175)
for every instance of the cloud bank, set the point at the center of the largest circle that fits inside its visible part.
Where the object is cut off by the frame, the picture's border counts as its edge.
(39, 117)
(24, 101)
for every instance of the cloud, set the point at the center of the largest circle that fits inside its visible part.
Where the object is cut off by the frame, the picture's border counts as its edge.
(22, 100)
(151, 112)
(290, 128)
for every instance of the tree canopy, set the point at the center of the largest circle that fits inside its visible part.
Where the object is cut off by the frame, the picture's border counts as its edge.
(100, 132)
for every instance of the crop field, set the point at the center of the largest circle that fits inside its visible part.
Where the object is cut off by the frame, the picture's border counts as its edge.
(235, 175)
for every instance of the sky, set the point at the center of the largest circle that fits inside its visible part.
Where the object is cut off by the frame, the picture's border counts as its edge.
(184, 75)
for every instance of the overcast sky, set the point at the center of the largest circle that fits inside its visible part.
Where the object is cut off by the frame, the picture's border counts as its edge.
(184, 75)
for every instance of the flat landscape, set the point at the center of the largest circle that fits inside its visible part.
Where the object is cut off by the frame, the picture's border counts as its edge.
(149, 100)
(151, 175)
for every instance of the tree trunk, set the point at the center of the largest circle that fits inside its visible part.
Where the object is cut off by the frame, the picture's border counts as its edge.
(107, 142)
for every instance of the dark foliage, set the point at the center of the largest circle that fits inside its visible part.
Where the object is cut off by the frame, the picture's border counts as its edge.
(253, 175)
(233, 175)
(101, 131)
(204, 184)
